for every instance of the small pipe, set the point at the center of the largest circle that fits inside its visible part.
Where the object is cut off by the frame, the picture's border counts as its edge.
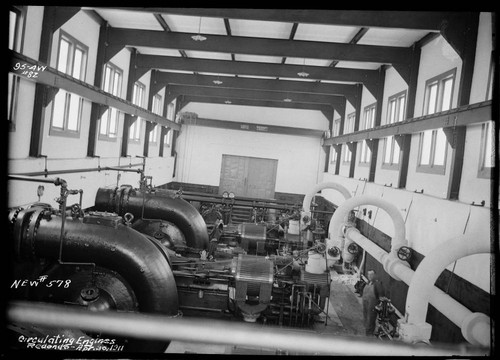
(69, 171)
(306, 204)
(32, 179)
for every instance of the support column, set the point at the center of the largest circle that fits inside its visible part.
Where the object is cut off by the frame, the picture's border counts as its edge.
(353, 146)
(97, 109)
(129, 119)
(373, 144)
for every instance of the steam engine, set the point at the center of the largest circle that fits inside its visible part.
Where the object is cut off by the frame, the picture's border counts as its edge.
(151, 251)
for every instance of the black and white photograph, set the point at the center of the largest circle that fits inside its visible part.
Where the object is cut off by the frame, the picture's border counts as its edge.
(209, 181)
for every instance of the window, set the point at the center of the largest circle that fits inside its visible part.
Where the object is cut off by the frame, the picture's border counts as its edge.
(395, 113)
(16, 21)
(486, 156)
(112, 83)
(433, 143)
(349, 123)
(170, 116)
(137, 99)
(366, 153)
(333, 154)
(491, 79)
(157, 107)
(347, 153)
(67, 107)
(368, 117)
(336, 127)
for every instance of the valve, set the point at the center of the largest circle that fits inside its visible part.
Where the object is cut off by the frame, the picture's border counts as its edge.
(128, 218)
(404, 253)
(352, 249)
(334, 251)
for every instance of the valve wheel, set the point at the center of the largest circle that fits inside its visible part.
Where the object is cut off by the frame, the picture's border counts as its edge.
(321, 248)
(352, 249)
(333, 251)
(404, 253)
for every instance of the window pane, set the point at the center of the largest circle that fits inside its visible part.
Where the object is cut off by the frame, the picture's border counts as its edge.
(168, 137)
(388, 150)
(62, 62)
(74, 112)
(372, 117)
(488, 153)
(396, 150)
(447, 88)
(401, 112)
(432, 99)
(440, 152)
(426, 147)
(78, 64)
(59, 106)
(103, 129)
(116, 84)
(113, 122)
(107, 79)
(132, 130)
(392, 111)
(368, 152)
(138, 129)
(12, 29)
(170, 111)
(11, 94)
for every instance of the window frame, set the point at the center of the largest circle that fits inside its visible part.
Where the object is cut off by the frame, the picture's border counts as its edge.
(398, 117)
(372, 108)
(432, 168)
(349, 123)
(137, 123)
(333, 154)
(75, 44)
(484, 172)
(336, 127)
(156, 106)
(347, 151)
(109, 113)
(14, 80)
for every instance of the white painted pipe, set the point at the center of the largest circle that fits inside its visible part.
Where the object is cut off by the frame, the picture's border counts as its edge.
(306, 204)
(337, 220)
(475, 326)
(422, 283)
(158, 327)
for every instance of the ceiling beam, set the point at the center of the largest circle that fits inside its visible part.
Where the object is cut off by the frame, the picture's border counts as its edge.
(326, 110)
(253, 94)
(169, 78)
(419, 20)
(262, 128)
(121, 37)
(251, 68)
(166, 28)
(354, 40)
(253, 102)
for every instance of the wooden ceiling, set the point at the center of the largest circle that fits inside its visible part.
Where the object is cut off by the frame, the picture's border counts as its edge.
(315, 58)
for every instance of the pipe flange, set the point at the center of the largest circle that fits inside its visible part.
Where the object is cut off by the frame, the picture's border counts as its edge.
(13, 214)
(32, 229)
(468, 325)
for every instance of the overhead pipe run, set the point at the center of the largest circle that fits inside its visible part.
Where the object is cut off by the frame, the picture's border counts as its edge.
(475, 326)
(156, 205)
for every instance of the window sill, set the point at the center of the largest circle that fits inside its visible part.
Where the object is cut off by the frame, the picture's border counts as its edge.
(438, 170)
(64, 133)
(390, 166)
(106, 138)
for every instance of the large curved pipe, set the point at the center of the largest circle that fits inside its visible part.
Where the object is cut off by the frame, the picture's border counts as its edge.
(422, 282)
(339, 216)
(156, 206)
(115, 247)
(474, 326)
(306, 204)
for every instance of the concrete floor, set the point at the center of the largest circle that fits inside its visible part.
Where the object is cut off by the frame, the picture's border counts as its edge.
(345, 318)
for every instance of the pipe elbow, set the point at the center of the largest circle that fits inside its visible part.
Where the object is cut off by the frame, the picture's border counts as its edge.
(306, 205)
(476, 329)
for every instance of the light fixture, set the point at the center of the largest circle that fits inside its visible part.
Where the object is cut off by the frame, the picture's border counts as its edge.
(217, 81)
(228, 102)
(199, 37)
(303, 73)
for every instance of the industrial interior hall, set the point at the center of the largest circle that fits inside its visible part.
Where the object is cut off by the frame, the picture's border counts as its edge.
(250, 181)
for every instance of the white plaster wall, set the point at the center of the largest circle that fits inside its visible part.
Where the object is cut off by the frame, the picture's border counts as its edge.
(483, 59)
(429, 222)
(436, 58)
(200, 151)
(473, 188)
